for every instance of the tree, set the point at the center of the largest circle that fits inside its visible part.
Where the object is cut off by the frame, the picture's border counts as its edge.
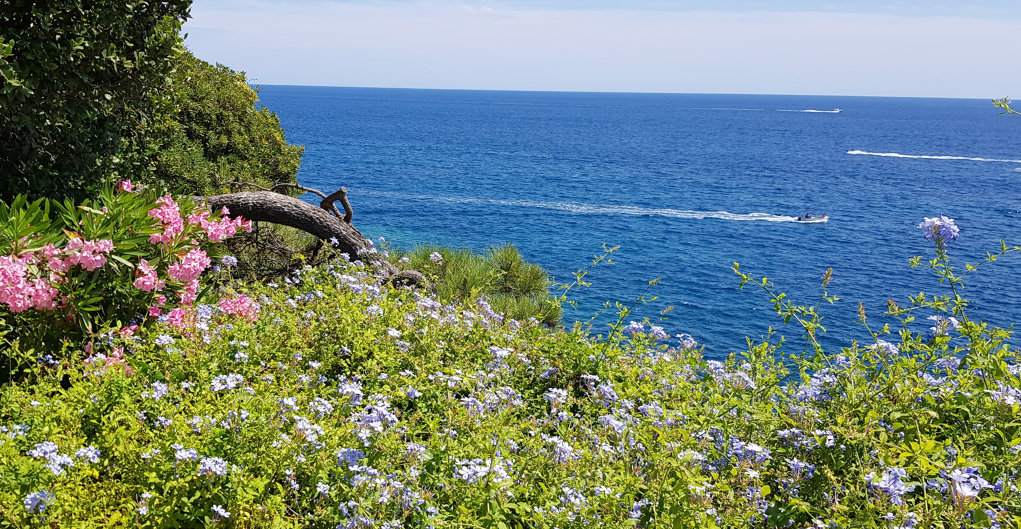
(216, 137)
(80, 79)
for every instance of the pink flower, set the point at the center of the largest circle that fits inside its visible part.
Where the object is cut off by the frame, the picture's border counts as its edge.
(218, 230)
(125, 186)
(147, 280)
(154, 312)
(87, 254)
(190, 293)
(241, 306)
(169, 215)
(190, 267)
(180, 318)
(20, 293)
(103, 362)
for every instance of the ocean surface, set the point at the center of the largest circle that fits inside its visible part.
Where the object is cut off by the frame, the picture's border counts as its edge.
(686, 185)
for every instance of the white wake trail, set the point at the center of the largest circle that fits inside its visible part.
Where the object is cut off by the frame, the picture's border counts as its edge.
(598, 209)
(931, 157)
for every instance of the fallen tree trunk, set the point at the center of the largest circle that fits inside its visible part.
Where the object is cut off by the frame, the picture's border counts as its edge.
(322, 222)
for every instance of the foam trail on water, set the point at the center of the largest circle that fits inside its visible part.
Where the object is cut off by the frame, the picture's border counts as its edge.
(927, 157)
(591, 209)
(834, 111)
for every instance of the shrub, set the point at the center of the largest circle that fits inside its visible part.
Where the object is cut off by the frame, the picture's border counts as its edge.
(343, 403)
(509, 284)
(103, 264)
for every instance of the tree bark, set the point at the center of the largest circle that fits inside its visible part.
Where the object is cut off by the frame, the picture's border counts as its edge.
(267, 206)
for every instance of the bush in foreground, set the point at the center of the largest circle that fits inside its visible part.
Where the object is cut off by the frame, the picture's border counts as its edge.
(338, 403)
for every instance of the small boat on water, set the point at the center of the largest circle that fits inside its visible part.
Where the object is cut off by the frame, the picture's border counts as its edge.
(808, 217)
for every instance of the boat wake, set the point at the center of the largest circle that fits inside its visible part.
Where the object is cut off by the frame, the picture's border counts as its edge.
(834, 111)
(581, 208)
(927, 157)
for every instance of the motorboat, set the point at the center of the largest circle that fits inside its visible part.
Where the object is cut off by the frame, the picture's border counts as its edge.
(808, 217)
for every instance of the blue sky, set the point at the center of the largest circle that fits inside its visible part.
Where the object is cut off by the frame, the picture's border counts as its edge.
(868, 47)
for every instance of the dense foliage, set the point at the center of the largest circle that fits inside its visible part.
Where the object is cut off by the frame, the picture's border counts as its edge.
(332, 401)
(511, 285)
(215, 136)
(80, 80)
(69, 272)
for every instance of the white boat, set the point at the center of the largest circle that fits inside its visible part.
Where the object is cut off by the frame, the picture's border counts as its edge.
(810, 218)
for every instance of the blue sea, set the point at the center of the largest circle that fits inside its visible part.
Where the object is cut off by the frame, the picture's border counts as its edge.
(686, 185)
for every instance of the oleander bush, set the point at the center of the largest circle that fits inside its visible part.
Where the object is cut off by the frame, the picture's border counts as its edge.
(69, 273)
(331, 401)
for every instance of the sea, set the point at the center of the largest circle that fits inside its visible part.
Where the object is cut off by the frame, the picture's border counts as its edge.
(686, 185)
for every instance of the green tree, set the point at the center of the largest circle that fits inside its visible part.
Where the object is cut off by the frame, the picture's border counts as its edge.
(80, 81)
(216, 136)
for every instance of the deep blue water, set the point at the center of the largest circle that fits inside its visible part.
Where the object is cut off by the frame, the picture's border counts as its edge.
(686, 185)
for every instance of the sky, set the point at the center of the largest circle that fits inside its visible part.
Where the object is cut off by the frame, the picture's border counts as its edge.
(911, 48)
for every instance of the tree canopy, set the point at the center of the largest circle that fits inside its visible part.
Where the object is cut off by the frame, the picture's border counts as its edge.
(80, 80)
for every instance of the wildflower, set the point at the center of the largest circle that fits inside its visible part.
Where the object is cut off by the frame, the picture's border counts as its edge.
(163, 340)
(323, 489)
(227, 382)
(885, 348)
(942, 325)
(475, 470)
(635, 327)
(220, 512)
(90, 454)
(800, 470)
(412, 393)
(892, 484)
(940, 229)
(350, 456)
(212, 467)
(658, 333)
(436, 257)
(967, 484)
(125, 186)
(686, 341)
(229, 260)
(37, 502)
(55, 461)
(321, 407)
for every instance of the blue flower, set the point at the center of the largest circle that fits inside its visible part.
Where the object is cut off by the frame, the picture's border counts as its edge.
(212, 467)
(90, 454)
(37, 502)
(940, 229)
(220, 512)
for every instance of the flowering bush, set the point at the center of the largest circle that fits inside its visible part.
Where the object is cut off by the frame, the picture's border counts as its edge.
(347, 404)
(123, 257)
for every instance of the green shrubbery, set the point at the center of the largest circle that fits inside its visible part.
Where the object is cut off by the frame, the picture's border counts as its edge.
(340, 402)
(508, 283)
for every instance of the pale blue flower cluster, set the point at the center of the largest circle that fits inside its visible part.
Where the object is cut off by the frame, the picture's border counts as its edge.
(940, 229)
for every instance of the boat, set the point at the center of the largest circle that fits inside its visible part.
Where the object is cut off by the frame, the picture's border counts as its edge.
(808, 217)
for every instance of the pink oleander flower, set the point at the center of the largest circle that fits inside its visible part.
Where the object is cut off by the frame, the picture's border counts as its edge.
(218, 230)
(190, 267)
(147, 280)
(90, 255)
(154, 312)
(241, 306)
(169, 215)
(179, 318)
(190, 292)
(126, 186)
(19, 292)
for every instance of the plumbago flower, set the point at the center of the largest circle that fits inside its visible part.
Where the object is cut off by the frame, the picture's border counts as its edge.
(940, 230)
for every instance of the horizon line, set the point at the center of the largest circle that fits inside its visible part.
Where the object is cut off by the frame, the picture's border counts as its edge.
(256, 85)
